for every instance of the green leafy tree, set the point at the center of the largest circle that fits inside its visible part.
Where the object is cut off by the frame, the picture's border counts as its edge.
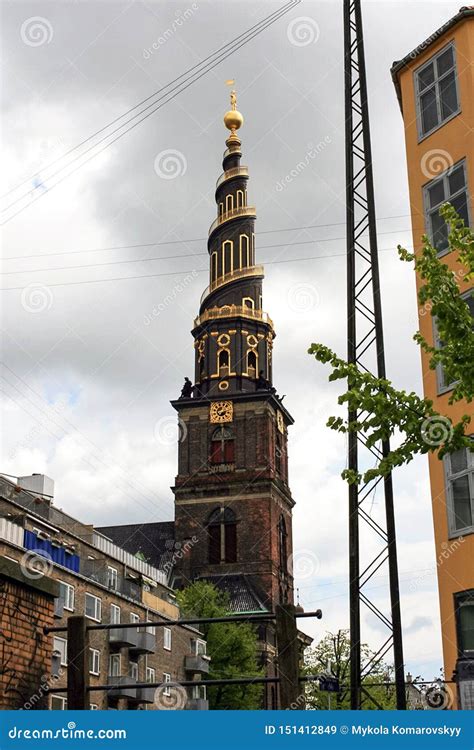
(231, 646)
(334, 651)
(382, 409)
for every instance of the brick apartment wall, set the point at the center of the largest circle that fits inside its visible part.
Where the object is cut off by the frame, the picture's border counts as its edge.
(26, 607)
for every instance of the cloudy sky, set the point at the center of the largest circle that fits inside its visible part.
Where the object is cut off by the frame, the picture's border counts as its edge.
(90, 368)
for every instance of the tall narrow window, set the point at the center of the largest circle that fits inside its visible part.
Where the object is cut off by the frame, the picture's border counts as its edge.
(244, 251)
(240, 198)
(451, 187)
(213, 267)
(229, 202)
(436, 91)
(460, 491)
(222, 531)
(464, 608)
(282, 545)
(252, 364)
(222, 445)
(223, 362)
(227, 257)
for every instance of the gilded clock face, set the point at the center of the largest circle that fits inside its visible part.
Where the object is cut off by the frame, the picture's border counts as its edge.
(280, 422)
(221, 411)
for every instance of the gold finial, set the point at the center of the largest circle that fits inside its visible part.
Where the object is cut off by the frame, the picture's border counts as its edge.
(233, 120)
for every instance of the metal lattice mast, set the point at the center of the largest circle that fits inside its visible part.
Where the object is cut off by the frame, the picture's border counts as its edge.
(366, 350)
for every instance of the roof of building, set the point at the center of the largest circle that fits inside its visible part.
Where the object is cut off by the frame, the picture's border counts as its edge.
(398, 65)
(241, 591)
(155, 541)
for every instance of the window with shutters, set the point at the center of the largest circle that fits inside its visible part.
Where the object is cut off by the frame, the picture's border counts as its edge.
(222, 532)
(222, 446)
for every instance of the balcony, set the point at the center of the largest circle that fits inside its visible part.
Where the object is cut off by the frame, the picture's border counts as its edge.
(197, 663)
(145, 643)
(236, 172)
(241, 273)
(119, 691)
(97, 570)
(250, 211)
(160, 605)
(121, 637)
(197, 704)
(146, 695)
(233, 311)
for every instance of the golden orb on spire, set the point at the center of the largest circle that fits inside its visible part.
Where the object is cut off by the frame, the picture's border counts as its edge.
(233, 120)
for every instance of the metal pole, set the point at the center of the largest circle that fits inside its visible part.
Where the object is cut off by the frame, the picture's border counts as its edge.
(354, 599)
(78, 666)
(388, 484)
(360, 217)
(288, 657)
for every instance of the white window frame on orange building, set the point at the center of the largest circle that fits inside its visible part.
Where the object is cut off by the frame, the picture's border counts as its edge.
(419, 92)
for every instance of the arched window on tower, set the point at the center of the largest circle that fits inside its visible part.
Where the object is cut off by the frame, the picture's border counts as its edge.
(240, 198)
(282, 546)
(222, 446)
(222, 534)
(252, 364)
(223, 362)
(229, 202)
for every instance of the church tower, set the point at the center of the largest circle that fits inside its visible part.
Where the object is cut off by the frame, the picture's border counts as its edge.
(232, 499)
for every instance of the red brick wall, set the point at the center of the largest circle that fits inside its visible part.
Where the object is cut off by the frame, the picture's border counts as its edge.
(25, 652)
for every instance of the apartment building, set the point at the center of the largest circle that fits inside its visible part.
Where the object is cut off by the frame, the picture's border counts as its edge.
(107, 584)
(435, 88)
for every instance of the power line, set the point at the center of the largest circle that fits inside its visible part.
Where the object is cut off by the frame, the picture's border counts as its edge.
(143, 101)
(266, 23)
(175, 273)
(169, 257)
(200, 239)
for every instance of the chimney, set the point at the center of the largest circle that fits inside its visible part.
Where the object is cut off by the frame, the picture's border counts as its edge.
(38, 484)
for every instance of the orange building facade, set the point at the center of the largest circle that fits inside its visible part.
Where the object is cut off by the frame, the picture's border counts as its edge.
(435, 88)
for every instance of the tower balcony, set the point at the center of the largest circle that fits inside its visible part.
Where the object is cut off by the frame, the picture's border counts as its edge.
(233, 214)
(240, 273)
(235, 172)
(231, 311)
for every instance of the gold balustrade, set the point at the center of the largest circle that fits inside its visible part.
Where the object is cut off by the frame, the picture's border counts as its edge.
(227, 215)
(233, 310)
(235, 172)
(240, 273)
